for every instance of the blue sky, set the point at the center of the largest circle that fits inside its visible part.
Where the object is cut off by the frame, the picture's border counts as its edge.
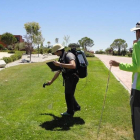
(101, 20)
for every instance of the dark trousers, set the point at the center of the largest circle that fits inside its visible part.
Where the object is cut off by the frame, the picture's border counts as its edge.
(70, 86)
(135, 112)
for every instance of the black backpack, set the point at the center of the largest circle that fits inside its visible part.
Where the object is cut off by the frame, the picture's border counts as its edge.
(81, 63)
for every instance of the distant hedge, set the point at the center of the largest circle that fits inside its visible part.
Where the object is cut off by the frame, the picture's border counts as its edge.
(88, 54)
(16, 56)
(129, 54)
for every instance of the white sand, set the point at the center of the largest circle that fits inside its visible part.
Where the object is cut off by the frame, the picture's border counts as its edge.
(34, 58)
(5, 54)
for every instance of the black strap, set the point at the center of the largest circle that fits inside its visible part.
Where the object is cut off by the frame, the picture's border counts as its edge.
(62, 59)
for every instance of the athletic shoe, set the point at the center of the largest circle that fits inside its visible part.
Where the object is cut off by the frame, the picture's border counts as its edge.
(66, 114)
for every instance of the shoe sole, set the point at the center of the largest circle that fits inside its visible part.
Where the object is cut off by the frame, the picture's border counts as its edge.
(66, 115)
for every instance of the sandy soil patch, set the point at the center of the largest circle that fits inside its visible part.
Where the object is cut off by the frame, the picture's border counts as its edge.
(4, 54)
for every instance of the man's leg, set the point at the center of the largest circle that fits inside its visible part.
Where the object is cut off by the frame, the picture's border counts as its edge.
(76, 105)
(135, 111)
(70, 85)
(69, 92)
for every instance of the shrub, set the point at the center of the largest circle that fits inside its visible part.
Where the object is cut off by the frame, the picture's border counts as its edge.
(7, 59)
(67, 49)
(5, 50)
(41, 50)
(123, 52)
(100, 52)
(129, 54)
(13, 57)
(88, 54)
(50, 51)
(11, 51)
(10, 47)
(115, 52)
(45, 50)
(35, 51)
(1, 47)
(16, 56)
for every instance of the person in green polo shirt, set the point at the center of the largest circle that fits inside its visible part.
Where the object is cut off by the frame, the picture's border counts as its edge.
(135, 91)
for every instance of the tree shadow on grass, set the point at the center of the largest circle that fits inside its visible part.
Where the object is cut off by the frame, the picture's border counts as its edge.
(61, 123)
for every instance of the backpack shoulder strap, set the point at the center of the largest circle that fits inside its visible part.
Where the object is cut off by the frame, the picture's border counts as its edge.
(62, 59)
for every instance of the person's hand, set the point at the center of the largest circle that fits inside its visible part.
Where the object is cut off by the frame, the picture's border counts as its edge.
(56, 63)
(49, 83)
(114, 63)
(134, 41)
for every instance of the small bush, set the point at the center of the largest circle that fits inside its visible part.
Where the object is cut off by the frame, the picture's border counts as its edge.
(11, 51)
(67, 49)
(45, 50)
(129, 54)
(18, 54)
(1, 47)
(14, 57)
(50, 51)
(34, 52)
(88, 54)
(115, 52)
(123, 52)
(100, 52)
(41, 50)
(7, 59)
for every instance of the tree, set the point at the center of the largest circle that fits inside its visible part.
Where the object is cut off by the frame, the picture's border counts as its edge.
(1, 47)
(100, 51)
(28, 44)
(119, 44)
(56, 40)
(32, 30)
(8, 39)
(131, 50)
(86, 42)
(66, 38)
(48, 43)
(109, 50)
(38, 39)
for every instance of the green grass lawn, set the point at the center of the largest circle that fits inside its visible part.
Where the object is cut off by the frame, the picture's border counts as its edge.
(30, 112)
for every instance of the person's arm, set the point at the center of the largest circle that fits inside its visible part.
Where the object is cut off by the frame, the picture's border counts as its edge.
(135, 66)
(124, 66)
(54, 78)
(71, 64)
(114, 63)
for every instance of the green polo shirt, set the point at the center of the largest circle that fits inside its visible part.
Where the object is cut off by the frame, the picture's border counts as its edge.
(134, 67)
